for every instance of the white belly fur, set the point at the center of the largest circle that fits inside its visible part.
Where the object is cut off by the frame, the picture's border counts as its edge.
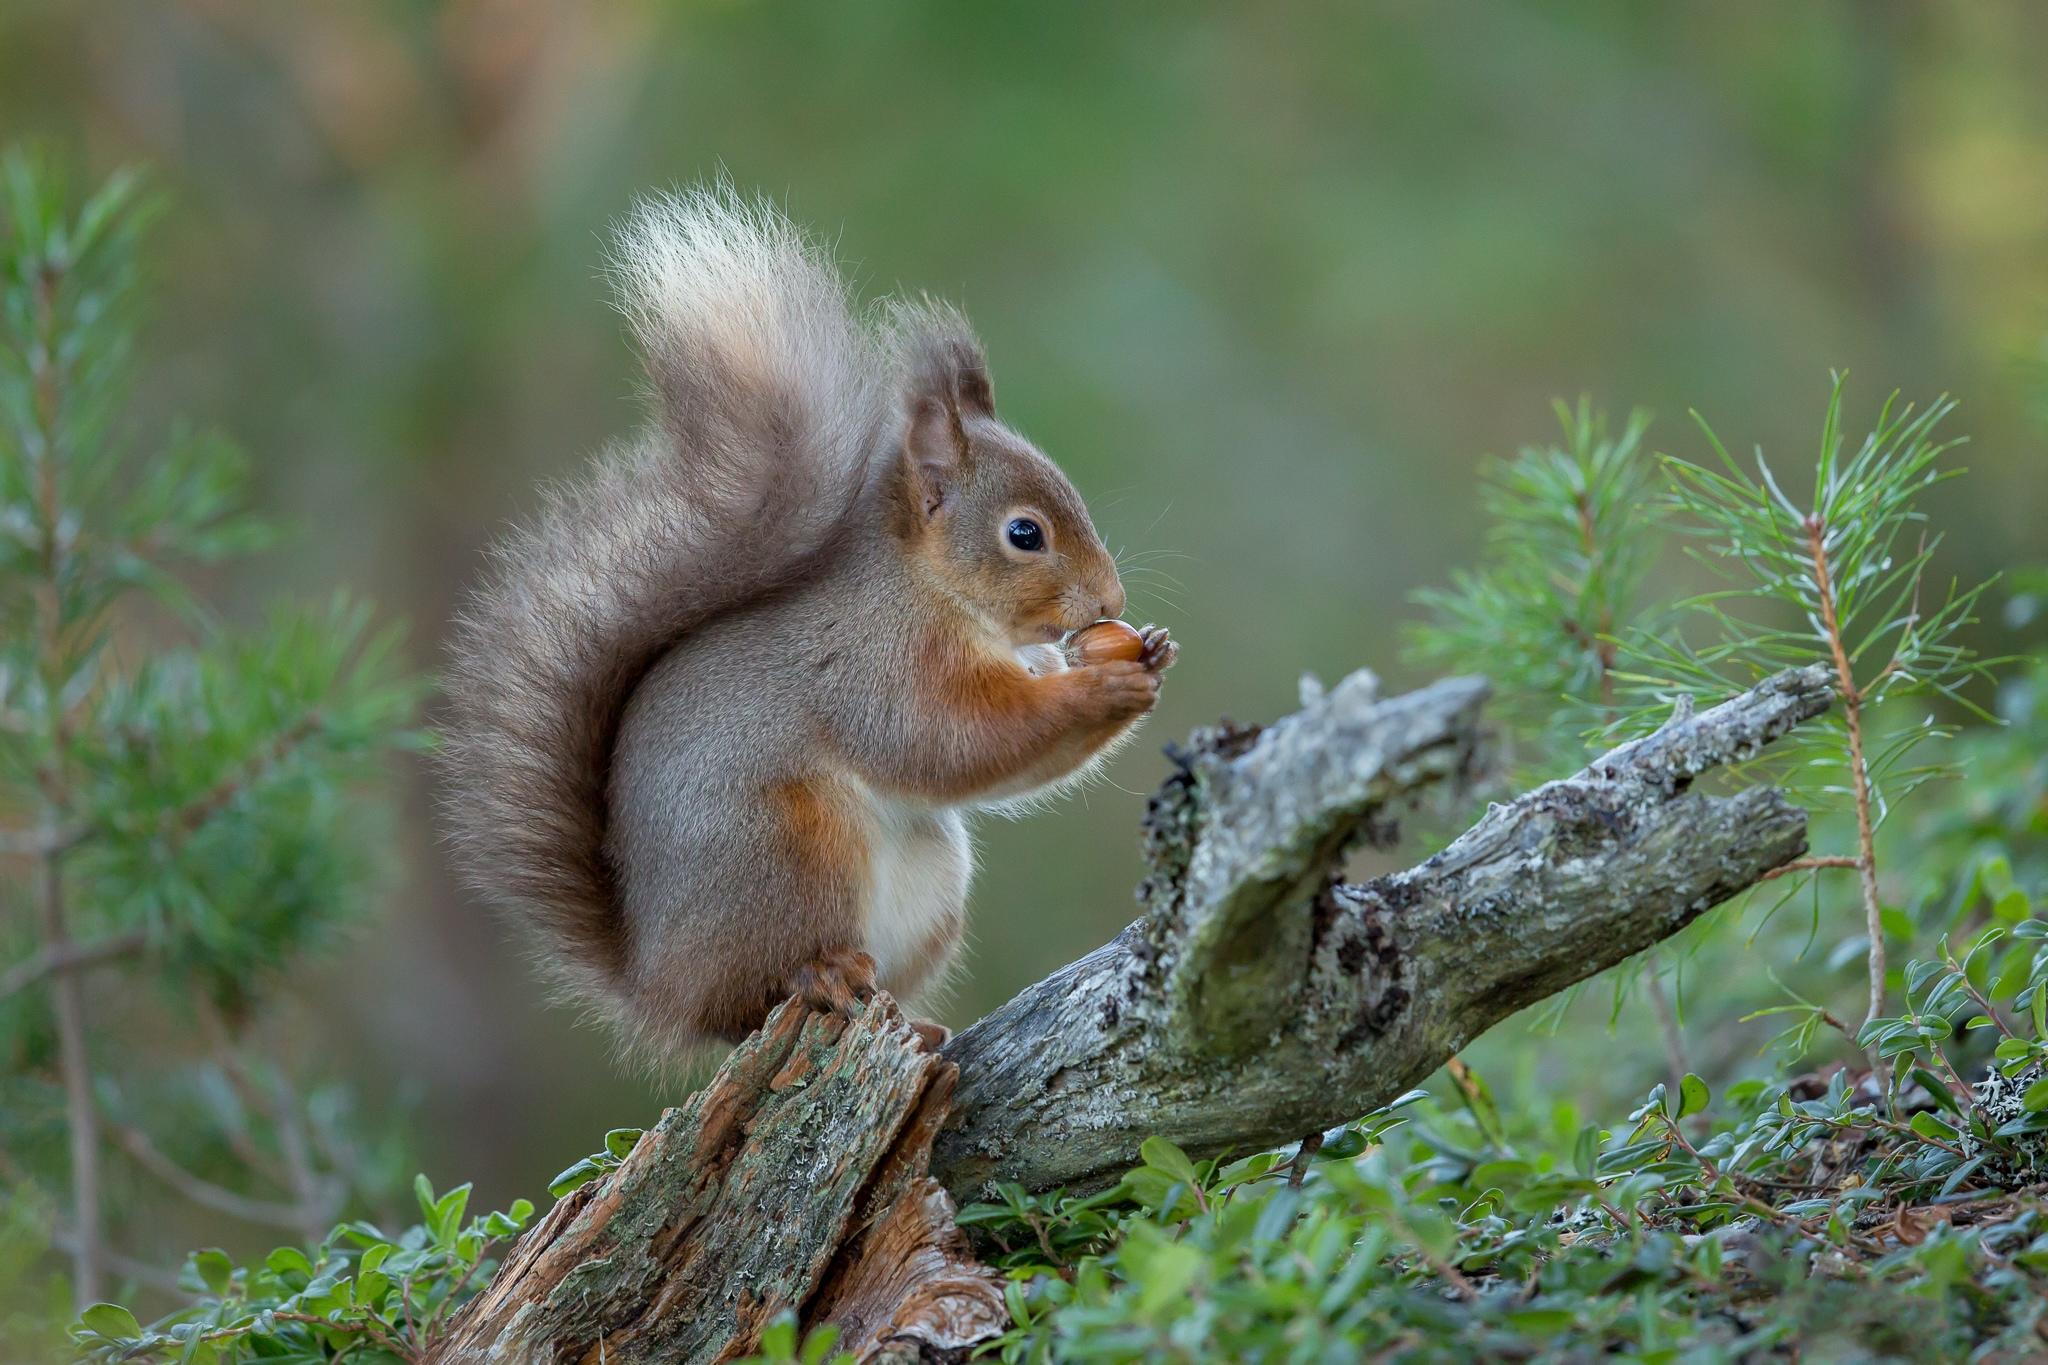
(919, 864)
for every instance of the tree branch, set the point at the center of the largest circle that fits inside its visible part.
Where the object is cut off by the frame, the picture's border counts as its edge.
(201, 1191)
(1324, 1000)
(63, 1237)
(70, 957)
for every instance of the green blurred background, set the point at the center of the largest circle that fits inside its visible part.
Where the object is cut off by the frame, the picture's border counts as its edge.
(1266, 279)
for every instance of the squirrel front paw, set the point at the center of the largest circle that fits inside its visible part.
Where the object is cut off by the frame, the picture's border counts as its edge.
(1121, 689)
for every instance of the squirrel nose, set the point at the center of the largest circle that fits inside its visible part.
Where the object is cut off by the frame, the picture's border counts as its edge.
(1112, 604)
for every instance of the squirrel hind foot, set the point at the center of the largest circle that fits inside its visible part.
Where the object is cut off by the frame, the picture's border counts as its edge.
(837, 981)
(931, 1035)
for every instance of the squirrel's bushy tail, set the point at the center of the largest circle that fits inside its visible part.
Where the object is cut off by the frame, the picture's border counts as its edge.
(767, 409)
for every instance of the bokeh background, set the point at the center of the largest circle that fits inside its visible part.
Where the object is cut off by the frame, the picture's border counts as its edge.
(1267, 279)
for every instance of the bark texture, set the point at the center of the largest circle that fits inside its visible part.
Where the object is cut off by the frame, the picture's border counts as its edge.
(797, 1174)
(1259, 999)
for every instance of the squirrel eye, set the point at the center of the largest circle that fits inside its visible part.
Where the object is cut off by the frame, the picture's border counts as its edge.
(1024, 533)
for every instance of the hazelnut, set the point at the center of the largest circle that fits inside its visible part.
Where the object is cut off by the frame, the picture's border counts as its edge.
(1104, 641)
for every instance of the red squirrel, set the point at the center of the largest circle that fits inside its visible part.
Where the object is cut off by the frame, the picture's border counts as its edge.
(717, 711)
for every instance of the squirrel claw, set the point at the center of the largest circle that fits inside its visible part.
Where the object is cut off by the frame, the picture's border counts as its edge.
(839, 981)
(1157, 649)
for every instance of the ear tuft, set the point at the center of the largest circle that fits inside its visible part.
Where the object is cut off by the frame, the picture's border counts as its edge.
(938, 356)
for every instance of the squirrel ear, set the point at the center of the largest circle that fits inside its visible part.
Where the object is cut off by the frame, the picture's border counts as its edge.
(945, 378)
(934, 452)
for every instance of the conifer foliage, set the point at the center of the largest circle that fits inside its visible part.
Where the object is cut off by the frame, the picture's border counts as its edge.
(182, 798)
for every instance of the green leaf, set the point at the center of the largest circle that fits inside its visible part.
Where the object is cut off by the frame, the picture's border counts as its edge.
(446, 1215)
(819, 1343)
(1151, 1188)
(1165, 1274)
(621, 1141)
(2036, 1097)
(575, 1178)
(1937, 1089)
(1162, 1155)
(371, 1287)
(1342, 1147)
(1586, 1151)
(289, 1261)
(1929, 1125)
(110, 1320)
(214, 1268)
(1434, 1231)
(1693, 1095)
(778, 1338)
(1541, 1322)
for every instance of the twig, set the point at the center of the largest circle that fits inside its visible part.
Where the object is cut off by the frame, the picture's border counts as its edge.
(1298, 1167)
(68, 998)
(1714, 1174)
(187, 819)
(222, 1041)
(1667, 1021)
(368, 1329)
(316, 1197)
(1990, 1010)
(75, 1065)
(1807, 865)
(202, 1191)
(1475, 1098)
(1859, 773)
(71, 957)
(313, 1201)
(36, 843)
(1448, 1273)
(452, 1300)
(412, 1328)
(65, 1238)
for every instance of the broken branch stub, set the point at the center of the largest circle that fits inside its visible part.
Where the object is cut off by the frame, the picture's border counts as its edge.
(1260, 821)
(795, 1180)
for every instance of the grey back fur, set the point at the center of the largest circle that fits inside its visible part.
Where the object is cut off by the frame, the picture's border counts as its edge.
(773, 405)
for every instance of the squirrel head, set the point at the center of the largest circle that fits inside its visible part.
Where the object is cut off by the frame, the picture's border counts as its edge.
(984, 510)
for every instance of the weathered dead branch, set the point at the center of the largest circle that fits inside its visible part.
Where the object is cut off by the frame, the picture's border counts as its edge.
(1259, 999)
